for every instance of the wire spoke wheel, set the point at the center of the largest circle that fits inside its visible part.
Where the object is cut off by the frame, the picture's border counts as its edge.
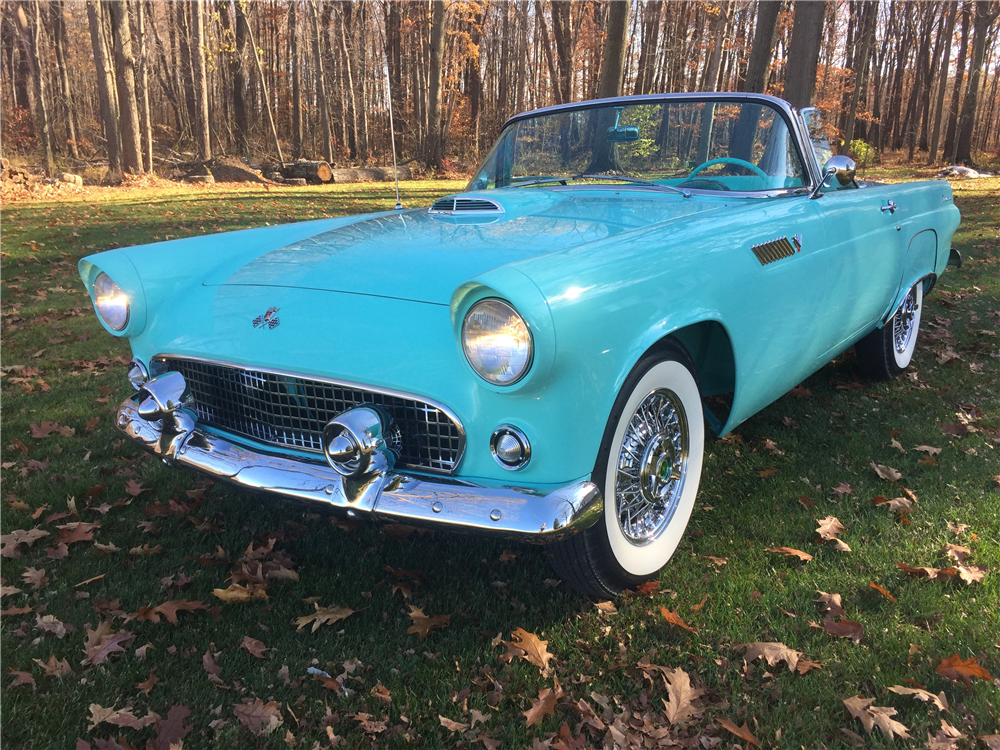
(651, 466)
(903, 328)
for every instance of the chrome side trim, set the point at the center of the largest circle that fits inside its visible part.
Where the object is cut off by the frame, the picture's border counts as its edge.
(511, 512)
(333, 381)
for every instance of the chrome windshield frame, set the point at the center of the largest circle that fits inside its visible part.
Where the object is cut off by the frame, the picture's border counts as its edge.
(791, 116)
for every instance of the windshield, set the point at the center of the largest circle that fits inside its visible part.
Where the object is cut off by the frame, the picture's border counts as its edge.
(691, 145)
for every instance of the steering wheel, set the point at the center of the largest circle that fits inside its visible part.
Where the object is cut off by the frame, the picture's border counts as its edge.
(729, 160)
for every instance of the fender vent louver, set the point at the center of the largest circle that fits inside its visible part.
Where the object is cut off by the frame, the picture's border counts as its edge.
(768, 252)
(465, 206)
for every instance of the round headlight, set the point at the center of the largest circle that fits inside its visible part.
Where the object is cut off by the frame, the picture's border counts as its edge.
(111, 302)
(496, 342)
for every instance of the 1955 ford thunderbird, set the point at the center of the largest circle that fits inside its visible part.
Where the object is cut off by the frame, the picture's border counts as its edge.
(529, 357)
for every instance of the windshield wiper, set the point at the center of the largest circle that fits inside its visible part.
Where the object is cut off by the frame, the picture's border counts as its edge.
(633, 181)
(525, 181)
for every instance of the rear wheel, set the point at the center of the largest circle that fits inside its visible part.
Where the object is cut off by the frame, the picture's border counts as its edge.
(648, 469)
(886, 352)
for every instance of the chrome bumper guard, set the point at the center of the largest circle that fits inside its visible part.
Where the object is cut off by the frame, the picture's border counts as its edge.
(157, 418)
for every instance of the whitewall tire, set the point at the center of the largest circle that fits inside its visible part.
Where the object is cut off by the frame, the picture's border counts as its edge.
(887, 351)
(648, 468)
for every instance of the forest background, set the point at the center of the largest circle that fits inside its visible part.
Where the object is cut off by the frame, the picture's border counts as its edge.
(132, 86)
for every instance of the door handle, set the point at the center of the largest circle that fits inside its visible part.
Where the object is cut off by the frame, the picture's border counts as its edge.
(890, 206)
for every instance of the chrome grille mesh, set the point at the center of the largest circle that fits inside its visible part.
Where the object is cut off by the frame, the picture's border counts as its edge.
(291, 411)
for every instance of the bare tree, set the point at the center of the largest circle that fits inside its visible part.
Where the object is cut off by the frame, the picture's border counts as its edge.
(128, 106)
(202, 131)
(105, 85)
(323, 101)
(615, 42)
(433, 147)
(942, 85)
(61, 46)
(30, 40)
(986, 13)
(803, 52)
(761, 49)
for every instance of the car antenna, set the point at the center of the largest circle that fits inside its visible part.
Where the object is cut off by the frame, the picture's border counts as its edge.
(392, 132)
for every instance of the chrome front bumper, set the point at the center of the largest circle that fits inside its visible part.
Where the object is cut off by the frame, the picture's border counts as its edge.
(518, 513)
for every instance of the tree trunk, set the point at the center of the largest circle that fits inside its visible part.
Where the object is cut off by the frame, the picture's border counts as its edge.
(263, 90)
(238, 74)
(433, 148)
(61, 45)
(615, 42)
(803, 52)
(105, 86)
(187, 65)
(30, 40)
(651, 14)
(352, 104)
(561, 23)
(146, 122)
(202, 133)
(547, 46)
(760, 49)
(296, 63)
(323, 101)
(128, 105)
(950, 141)
(942, 87)
(986, 14)
(862, 58)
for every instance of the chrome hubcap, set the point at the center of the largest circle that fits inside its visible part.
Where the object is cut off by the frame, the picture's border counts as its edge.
(652, 464)
(902, 323)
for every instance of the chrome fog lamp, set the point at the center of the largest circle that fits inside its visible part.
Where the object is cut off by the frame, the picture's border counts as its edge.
(510, 447)
(496, 342)
(138, 375)
(111, 302)
(362, 440)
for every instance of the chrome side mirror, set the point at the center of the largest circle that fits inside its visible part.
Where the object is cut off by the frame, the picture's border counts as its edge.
(841, 167)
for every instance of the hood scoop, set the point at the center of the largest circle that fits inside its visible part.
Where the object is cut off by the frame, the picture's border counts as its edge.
(455, 205)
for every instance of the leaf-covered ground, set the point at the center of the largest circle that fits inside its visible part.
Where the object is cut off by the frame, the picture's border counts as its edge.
(142, 605)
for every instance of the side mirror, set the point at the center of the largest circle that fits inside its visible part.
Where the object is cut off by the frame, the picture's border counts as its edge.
(841, 167)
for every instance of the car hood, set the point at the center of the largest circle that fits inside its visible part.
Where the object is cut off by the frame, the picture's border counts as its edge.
(421, 256)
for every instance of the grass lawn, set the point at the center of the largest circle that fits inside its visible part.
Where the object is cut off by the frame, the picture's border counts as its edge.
(163, 535)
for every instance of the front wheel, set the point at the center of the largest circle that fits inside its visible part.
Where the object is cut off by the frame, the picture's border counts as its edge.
(648, 468)
(887, 351)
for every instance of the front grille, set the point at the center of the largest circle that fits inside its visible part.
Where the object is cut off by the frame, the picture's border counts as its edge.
(291, 411)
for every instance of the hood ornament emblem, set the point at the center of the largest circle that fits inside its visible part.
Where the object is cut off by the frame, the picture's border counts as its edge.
(268, 320)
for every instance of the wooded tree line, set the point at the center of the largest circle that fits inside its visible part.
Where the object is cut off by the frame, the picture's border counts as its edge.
(139, 83)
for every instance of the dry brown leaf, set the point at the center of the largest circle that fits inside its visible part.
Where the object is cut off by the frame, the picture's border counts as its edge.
(956, 552)
(171, 730)
(381, 693)
(253, 647)
(529, 647)
(955, 668)
(830, 604)
(102, 643)
(790, 552)
(923, 695)
(259, 717)
(10, 544)
(957, 528)
(423, 625)
(830, 528)
(844, 628)
(50, 624)
(876, 716)
(322, 616)
(675, 619)
(926, 572)
(930, 450)
(972, 573)
(544, 705)
(679, 707)
(946, 738)
(842, 489)
(772, 653)
(718, 562)
(805, 665)
(236, 593)
(171, 608)
(34, 577)
(887, 473)
(54, 668)
(697, 607)
(882, 591)
(147, 685)
(742, 732)
(22, 678)
(453, 726)
(990, 741)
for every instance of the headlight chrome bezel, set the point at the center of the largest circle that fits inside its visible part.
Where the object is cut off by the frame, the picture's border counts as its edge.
(502, 307)
(106, 292)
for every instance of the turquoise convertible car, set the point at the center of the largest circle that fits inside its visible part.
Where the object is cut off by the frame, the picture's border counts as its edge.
(529, 358)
